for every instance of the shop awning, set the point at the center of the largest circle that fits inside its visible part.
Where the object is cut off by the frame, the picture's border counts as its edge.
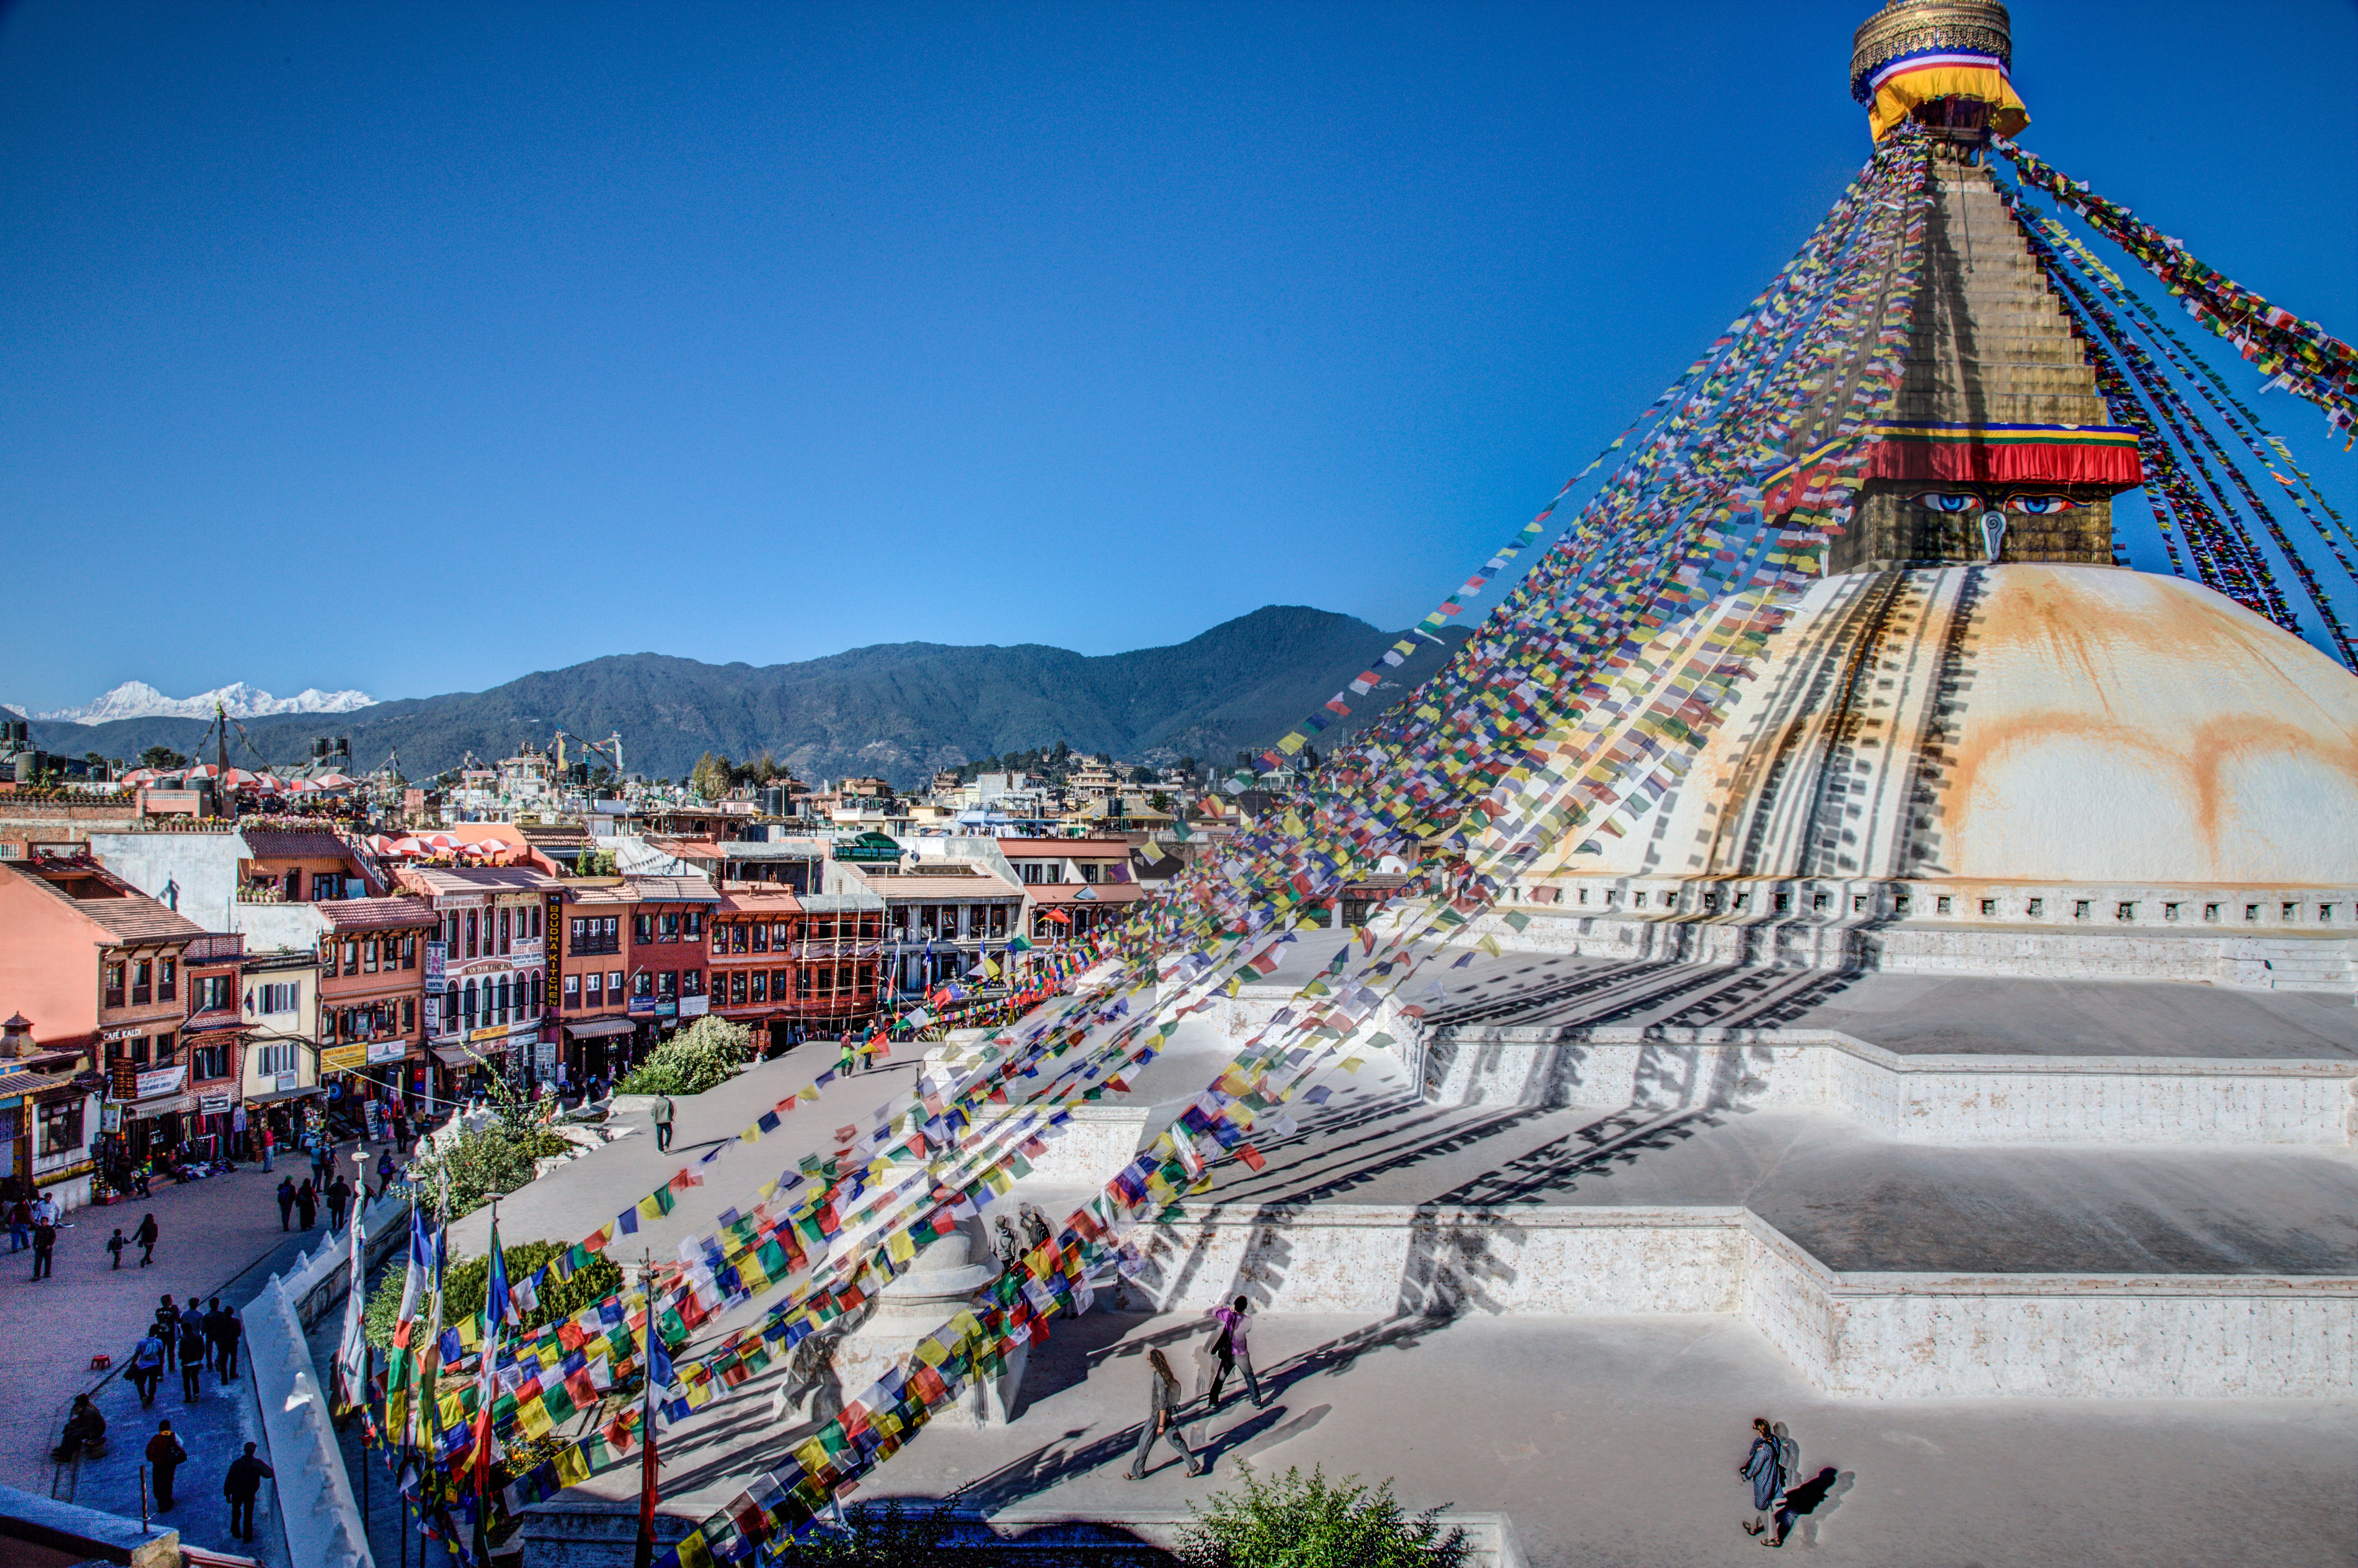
(162, 1105)
(272, 1097)
(470, 1057)
(599, 1028)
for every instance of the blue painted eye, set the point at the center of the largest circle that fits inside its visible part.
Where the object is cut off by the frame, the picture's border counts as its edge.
(2041, 505)
(1948, 501)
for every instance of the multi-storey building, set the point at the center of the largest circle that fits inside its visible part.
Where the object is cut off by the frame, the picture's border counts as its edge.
(1072, 887)
(373, 992)
(96, 964)
(212, 1036)
(492, 964)
(279, 1003)
(591, 929)
(665, 960)
(942, 916)
(755, 941)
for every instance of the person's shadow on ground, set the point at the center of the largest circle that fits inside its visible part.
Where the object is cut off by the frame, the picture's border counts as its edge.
(1814, 1499)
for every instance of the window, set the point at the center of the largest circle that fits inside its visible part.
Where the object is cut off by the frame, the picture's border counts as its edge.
(352, 958)
(2079, 909)
(691, 982)
(2210, 912)
(720, 937)
(572, 992)
(467, 1006)
(803, 981)
(506, 921)
(471, 916)
(114, 981)
(409, 952)
(139, 1050)
(2038, 907)
(761, 984)
(667, 983)
(502, 989)
(540, 992)
(164, 1049)
(209, 1062)
(274, 1057)
(1940, 904)
(1989, 907)
(671, 927)
(213, 993)
(141, 982)
(760, 939)
(597, 990)
(643, 983)
(409, 1015)
(167, 979)
(642, 928)
(737, 990)
(2291, 912)
(274, 999)
(61, 1126)
(695, 925)
(613, 988)
(2124, 912)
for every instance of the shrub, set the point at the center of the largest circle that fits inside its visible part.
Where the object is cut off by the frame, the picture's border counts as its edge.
(466, 1282)
(1307, 1521)
(705, 1054)
(886, 1537)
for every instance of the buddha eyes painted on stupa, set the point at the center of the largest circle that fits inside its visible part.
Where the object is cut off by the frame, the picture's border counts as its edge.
(1964, 501)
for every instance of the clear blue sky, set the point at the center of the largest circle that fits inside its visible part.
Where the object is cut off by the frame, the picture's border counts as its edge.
(415, 347)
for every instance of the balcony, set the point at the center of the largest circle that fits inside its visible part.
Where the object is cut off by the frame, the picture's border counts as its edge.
(593, 946)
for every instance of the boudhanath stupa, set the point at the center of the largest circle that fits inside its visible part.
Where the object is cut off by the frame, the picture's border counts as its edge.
(1847, 947)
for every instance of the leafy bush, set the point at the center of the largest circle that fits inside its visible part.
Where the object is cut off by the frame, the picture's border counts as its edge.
(705, 1054)
(489, 1162)
(466, 1282)
(1307, 1521)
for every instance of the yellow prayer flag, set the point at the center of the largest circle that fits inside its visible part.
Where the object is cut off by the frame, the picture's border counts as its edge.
(900, 1247)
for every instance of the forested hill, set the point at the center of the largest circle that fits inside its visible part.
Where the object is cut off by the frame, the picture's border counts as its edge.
(898, 709)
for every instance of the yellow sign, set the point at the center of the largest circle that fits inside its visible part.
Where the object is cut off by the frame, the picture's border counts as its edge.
(343, 1058)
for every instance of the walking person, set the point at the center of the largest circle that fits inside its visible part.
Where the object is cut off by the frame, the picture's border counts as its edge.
(192, 1356)
(114, 1246)
(1229, 1349)
(269, 1145)
(241, 1486)
(287, 1203)
(147, 1367)
(165, 1455)
(385, 1171)
(1161, 1417)
(1764, 1467)
(20, 1226)
(167, 1329)
(228, 1331)
(307, 1205)
(339, 1198)
(659, 1114)
(145, 1236)
(45, 1248)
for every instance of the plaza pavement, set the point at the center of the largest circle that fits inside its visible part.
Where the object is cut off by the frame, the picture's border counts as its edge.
(219, 1237)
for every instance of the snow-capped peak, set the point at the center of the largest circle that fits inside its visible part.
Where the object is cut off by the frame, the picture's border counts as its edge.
(138, 699)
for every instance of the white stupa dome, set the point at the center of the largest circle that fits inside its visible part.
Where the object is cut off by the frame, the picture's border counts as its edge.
(2016, 723)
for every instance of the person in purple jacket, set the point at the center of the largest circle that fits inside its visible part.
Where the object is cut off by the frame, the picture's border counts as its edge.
(1231, 1351)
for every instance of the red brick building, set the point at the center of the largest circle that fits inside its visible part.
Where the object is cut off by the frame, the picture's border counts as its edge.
(212, 1034)
(589, 934)
(371, 1025)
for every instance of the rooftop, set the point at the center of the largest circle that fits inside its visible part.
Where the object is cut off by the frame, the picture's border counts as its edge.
(377, 913)
(106, 900)
(655, 888)
(1075, 848)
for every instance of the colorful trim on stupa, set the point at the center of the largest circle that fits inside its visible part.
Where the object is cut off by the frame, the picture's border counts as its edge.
(2005, 454)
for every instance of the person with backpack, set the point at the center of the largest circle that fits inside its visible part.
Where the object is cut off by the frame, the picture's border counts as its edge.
(114, 1246)
(1230, 1350)
(165, 1455)
(147, 1367)
(287, 1203)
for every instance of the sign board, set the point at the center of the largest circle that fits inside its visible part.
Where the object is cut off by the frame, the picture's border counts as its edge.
(694, 1006)
(342, 1058)
(285, 1081)
(642, 1007)
(213, 1105)
(496, 1032)
(667, 1007)
(373, 1117)
(546, 1054)
(110, 1117)
(437, 956)
(381, 1052)
(161, 1081)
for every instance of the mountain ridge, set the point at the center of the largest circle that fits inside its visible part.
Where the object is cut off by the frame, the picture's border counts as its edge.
(138, 699)
(899, 709)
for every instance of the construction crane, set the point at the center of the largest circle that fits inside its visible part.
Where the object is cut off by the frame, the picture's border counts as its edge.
(611, 749)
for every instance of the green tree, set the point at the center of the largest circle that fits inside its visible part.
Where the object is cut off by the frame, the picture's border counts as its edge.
(1308, 1521)
(889, 1537)
(705, 1054)
(466, 1281)
(163, 759)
